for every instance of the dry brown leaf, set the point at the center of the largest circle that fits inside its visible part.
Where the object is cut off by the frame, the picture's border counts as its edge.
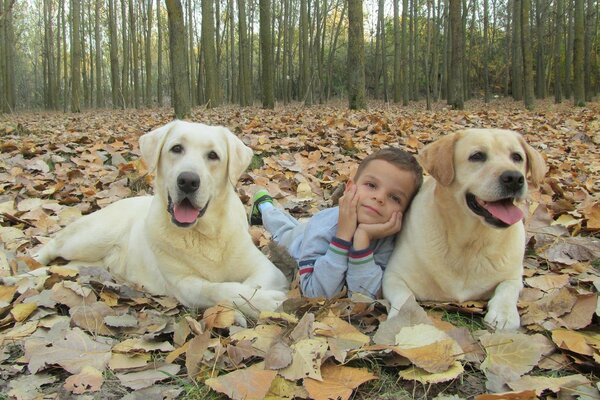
(143, 379)
(582, 313)
(338, 382)
(88, 380)
(307, 356)
(548, 281)
(524, 395)
(244, 384)
(20, 312)
(278, 356)
(219, 316)
(282, 389)
(343, 337)
(542, 383)
(195, 353)
(572, 341)
(123, 362)
(420, 375)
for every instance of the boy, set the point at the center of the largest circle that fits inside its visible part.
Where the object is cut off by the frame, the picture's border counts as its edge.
(352, 243)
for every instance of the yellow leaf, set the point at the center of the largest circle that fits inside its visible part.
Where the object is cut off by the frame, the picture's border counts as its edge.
(219, 316)
(307, 357)
(572, 341)
(566, 220)
(277, 316)
(88, 380)
(20, 312)
(420, 375)
(7, 293)
(338, 382)
(246, 384)
(63, 272)
(304, 191)
(525, 395)
(284, 389)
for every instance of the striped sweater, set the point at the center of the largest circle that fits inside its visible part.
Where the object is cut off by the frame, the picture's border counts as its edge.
(327, 263)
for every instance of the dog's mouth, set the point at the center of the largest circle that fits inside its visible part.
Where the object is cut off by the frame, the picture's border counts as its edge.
(185, 213)
(500, 213)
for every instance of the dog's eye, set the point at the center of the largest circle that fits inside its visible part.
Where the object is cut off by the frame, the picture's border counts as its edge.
(213, 156)
(516, 157)
(177, 149)
(478, 156)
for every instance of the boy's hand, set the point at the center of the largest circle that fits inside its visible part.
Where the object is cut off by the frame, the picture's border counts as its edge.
(377, 231)
(348, 220)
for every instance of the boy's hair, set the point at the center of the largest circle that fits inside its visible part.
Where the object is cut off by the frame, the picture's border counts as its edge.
(397, 157)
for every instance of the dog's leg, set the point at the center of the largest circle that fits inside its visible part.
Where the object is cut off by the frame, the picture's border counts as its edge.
(502, 308)
(396, 292)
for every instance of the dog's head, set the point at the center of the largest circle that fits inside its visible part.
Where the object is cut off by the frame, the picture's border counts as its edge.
(487, 170)
(194, 164)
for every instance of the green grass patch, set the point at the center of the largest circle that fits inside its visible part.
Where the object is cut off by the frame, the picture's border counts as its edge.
(472, 322)
(256, 162)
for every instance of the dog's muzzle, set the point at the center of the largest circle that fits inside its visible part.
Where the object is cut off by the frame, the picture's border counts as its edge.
(184, 212)
(501, 212)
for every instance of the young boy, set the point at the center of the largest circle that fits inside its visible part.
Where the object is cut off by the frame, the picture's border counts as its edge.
(352, 243)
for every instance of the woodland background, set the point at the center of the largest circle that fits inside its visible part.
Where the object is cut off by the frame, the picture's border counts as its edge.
(72, 55)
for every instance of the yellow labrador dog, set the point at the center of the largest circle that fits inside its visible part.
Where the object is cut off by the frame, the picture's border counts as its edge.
(190, 240)
(463, 236)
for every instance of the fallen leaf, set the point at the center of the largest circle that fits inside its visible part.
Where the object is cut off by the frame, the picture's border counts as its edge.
(88, 380)
(20, 312)
(543, 383)
(219, 316)
(420, 375)
(307, 356)
(143, 379)
(243, 384)
(338, 382)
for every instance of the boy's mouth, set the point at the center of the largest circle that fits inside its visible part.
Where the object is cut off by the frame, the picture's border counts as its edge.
(372, 210)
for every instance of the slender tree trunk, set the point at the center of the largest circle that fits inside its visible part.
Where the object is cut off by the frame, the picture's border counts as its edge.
(114, 57)
(383, 51)
(159, 62)
(97, 37)
(304, 53)
(148, 54)
(568, 86)
(527, 54)
(266, 47)
(333, 48)
(540, 86)
(356, 56)
(75, 57)
(508, 46)
(190, 43)
(517, 52)
(578, 57)
(590, 28)
(427, 52)
(244, 62)
(486, 56)
(455, 95)
(404, 55)
(135, 56)
(126, 53)
(208, 47)
(557, 51)
(178, 58)
(397, 54)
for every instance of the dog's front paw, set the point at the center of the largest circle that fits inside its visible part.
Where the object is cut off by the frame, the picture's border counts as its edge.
(502, 317)
(261, 300)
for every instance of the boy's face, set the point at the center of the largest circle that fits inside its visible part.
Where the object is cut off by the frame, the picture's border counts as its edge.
(382, 188)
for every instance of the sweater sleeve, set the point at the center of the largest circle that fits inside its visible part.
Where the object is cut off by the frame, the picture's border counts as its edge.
(323, 258)
(365, 268)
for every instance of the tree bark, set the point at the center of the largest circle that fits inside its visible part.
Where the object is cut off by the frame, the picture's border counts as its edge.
(114, 57)
(148, 54)
(159, 62)
(178, 58)
(557, 52)
(244, 55)
(517, 53)
(397, 54)
(208, 47)
(75, 57)
(97, 37)
(266, 45)
(578, 57)
(527, 55)
(356, 56)
(455, 95)
(404, 54)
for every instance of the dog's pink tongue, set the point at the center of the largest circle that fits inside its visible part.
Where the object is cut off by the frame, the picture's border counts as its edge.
(505, 211)
(185, 213)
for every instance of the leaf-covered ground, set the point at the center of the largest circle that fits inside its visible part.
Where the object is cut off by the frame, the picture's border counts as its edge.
(79, 334)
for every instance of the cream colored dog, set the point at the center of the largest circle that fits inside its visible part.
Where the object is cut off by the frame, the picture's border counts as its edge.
(463, 237)
(190, 240)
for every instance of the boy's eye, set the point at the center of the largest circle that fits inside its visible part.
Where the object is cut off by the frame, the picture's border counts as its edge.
(395, 199)
(370, 184)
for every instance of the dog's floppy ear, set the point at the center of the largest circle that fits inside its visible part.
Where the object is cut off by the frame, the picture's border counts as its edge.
(151, 144)
(536, 166)
(239, 156)
(437, 158)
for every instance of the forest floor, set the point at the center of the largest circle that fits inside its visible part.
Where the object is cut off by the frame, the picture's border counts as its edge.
(81, 335)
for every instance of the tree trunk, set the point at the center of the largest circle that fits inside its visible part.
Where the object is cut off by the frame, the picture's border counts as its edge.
(486, 57)
(304, 54)
(159, 62)
(75, 57)
(356, 56)
(527, 54)
(517, 53)
(148, 54)
(578, 57)
(404, 54)
(126, 53)
(208, 47)
(99, 92)
(557, 52)
(455, 95)
(568, 86)
(114, 57)
(135, 56)
(590, 28)
(266, 47)
(540, 86)
(178, 58)
(190, 49)
(397, 54)
(244, 62)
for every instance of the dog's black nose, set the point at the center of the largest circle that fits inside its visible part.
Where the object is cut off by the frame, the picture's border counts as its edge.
(188, 182)
(512, 180)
